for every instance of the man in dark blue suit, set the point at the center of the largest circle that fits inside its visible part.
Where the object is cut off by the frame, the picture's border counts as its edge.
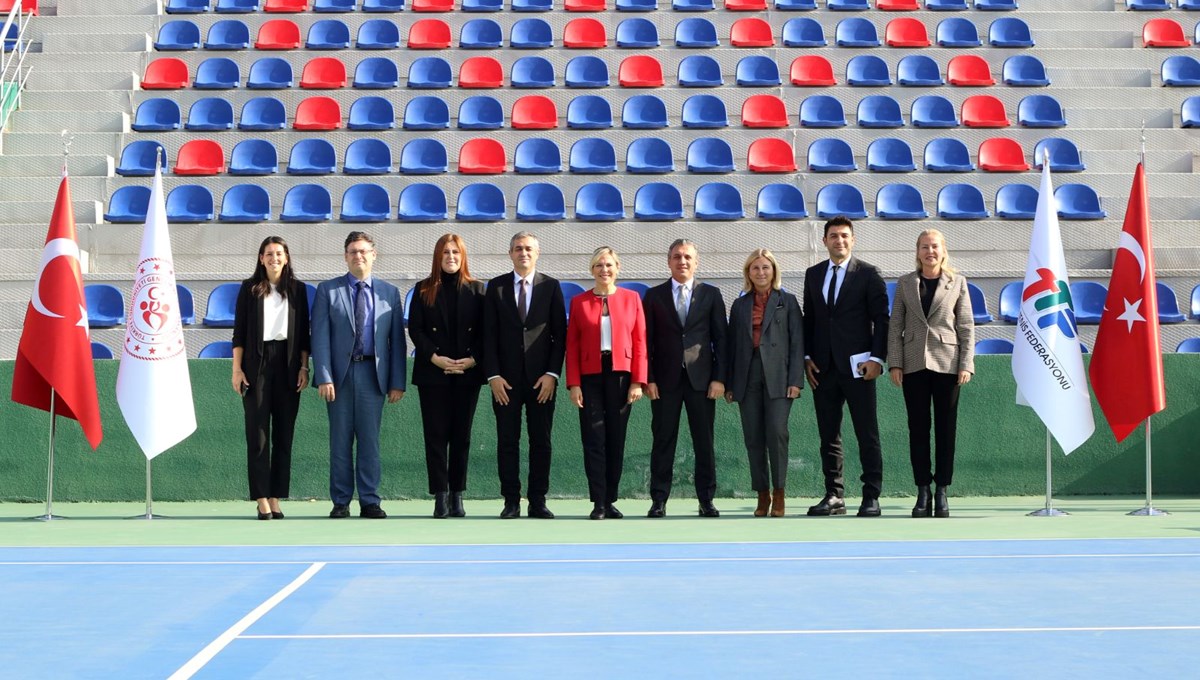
(359, 359)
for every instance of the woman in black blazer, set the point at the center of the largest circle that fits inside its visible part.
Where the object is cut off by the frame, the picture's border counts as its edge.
(270, 370)
(446, 327)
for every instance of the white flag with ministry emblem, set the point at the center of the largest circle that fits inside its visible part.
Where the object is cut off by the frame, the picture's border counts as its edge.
(154, 389)
(1047, 360)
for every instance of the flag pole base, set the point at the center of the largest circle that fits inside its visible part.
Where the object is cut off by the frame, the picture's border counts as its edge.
(147, 515)
(1148, 511)
(1048, 512)
(46, 518)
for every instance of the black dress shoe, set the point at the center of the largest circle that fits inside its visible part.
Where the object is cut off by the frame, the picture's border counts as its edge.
(512, 510)
(941, 507)
(276, 515)
(611, 512)
(540, 511)
(264, 515)
(707, 509)
(441, 509)
(923, 507)
(372, 511)
(339, 511)
(598, 511)
(657, 509)
(456, 506)
(829, 505)
(869, 508)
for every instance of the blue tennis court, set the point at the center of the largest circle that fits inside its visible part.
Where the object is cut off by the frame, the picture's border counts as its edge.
(1042, 608)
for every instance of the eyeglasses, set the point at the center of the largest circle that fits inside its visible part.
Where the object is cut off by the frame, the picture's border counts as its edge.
(360, 251)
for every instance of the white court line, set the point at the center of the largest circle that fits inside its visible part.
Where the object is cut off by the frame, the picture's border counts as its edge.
(205, 655)
(719, 633)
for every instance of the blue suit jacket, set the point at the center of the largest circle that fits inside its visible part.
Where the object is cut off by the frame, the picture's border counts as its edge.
(333, 334)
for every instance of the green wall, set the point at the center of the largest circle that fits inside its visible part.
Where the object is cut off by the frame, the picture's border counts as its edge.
(1001, 447)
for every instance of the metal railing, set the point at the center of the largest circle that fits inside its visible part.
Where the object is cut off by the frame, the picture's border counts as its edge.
(13, 72)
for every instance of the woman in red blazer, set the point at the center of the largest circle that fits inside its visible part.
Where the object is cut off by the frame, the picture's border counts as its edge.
(606, 371)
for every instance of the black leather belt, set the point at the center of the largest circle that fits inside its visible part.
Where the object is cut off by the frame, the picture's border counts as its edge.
(365, 357)
(606, 353)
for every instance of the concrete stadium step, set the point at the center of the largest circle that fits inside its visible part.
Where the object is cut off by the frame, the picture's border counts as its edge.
(99, 100)
(84, 62)
(51, 166)
(66, 43)
(49, 121)
(32, 211)
(80, 81)
(46, 143)
(106, 7)
(18, 189)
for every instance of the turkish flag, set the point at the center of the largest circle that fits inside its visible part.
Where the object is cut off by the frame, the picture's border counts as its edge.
(55, 352)
(1126, 370)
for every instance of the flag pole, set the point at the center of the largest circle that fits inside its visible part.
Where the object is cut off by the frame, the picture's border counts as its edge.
(50, 468)
(1148, 510)
(1049, 510)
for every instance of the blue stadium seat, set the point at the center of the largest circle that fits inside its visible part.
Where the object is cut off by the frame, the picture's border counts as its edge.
(429, 73)
(599, 202)
(423, 157)
(947, 154)
(1024, 70)
(1016, 202)
(704, 111)
(1168, 305)
(757, 71)
(482, 5)
(532, 72)
(692, 5)
(1181, 71)
(217, 73)
(541, 202)
(366, 203)
(378, 34)
(128, 205)
(710, 155)
(592, 156)
(103, 351)
(1010, 32)
(840, 199)
(179, 34)
(888, 154)
(480, 113)
(803, 32)
(695, 32)
(993, 346)
(1078, 202)
(530, 34)
(587, 71)
(996, 5)
(376, 113)
(795, 5)
(421, 113)
(138, 158)
(186, 6)
(1189, 345)
(1010, 298)
(848, 5)
(480, 34)
(823, 111)
(1087, 298)
(879, 111)
(210, 114)
(831, 154)
(376, 73)
(1189, 112)
(422, 203)
(537, 156)
(946, 5)
(254, 157)
(219, 311)
(636, 286)
(644, 112)
(636, 5)
(1064, 155)
(480, 203)
(961, 202)
(368, 156)
(270, 73)
(157, 115)
(919, 70)
(899, 202)
(699, 70)
(781, 202)
(657, 202)
(719, 201)
(1147, 5)
(856, 32)
(649, 156)
(1041, 111)
(105, 305)
(979, 309)
(236, 6)
(957, 32)
(312, 157)
(867, 70)
(262, 113)
(532, 5)
(637, 33)
(589, 112)
(382, 5)
(328, 34)
(245, 203)
(1188, 4)
(307, 203)
(328, 6)
(189, 204)
(933, 111)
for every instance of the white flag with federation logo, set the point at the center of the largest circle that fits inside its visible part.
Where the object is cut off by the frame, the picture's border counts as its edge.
(154, 389)
(1047, 361)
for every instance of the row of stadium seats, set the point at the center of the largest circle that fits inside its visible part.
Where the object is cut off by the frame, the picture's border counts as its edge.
(298, 6)
(283, 6)
(594, 202)
(1160, 5)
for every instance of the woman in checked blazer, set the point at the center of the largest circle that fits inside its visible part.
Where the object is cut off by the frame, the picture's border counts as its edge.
(931, 353)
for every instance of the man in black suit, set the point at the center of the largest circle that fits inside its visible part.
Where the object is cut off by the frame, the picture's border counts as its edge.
(685, 337)
(525, 331)
(845, 320)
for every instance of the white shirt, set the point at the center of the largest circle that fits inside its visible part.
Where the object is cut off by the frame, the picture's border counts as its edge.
(275, 316)
(841, 276)
(688, 289)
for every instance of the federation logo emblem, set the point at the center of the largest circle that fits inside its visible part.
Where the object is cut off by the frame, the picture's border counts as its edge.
(153, 329)
(1052, 302)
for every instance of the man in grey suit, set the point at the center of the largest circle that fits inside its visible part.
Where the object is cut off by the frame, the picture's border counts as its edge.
(845, 319)
(359, 359)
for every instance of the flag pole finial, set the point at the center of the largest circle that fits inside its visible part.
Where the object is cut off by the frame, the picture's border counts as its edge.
(1143, 143)
(66, 137)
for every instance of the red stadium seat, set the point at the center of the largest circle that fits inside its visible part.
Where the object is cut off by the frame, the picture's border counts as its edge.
(771, 154)
(897, 5)
(200, 157)
(27, 6)
(323, 73)
(481, 73)
(429, 34)
(584, 33)
(534, 112)
(481, 156)
(746, 5)
(170, 73)
(812, 71)
(640, 71)
(1164, 33)
(906, 32)
(764, 111)
(584, 5)
(969, 70)
(751, 32)
(278, 34)
(286, 6)
(432, 6)
(318, 113)
(984, 111)
(1001, 154)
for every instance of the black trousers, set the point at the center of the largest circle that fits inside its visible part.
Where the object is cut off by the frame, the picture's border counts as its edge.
(665, 415)
(447, 414)
(539, 418)
(271, 404)
(834, 390)
(602, 423)
(941, 389)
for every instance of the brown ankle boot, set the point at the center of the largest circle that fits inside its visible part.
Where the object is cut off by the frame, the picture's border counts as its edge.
(764, 504)
(777, 503)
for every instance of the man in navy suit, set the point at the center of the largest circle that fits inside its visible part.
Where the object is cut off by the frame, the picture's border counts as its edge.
(359, 359)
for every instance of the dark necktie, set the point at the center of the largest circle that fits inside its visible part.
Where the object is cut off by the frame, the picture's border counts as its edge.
(681, 305)
(521, 312)
(829, 298)
(360, 317)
